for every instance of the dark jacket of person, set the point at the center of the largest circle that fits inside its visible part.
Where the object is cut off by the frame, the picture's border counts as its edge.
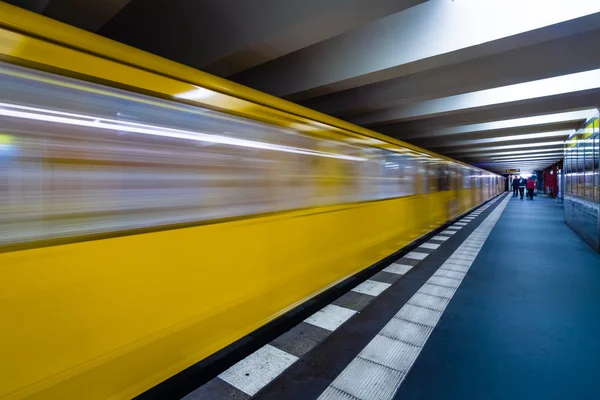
(522, 182)
(515, 183)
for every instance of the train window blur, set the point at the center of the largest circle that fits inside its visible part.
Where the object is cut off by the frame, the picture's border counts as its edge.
(78, 158)
(455, 180)
(423, 173)
(466, 174)
(442, 178)
(432, 172)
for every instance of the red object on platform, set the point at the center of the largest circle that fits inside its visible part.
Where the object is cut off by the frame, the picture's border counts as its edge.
(530, 184)
(551, 180)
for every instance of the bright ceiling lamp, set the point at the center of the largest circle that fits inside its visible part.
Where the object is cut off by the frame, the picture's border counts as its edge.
(502, 153)
(527, 159)
(513, 161)
(545, 152)
(517, 163)
(521, 164)
(554, 86)
(522, 160)
(511, 146)
(571, 116)
(489, 16)
(514, 138)
(534, 89)
(557, 85)
(536, 155)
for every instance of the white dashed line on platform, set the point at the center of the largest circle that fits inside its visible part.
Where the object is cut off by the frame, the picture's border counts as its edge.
(415, 255)
(430, 246)
(258, 369)
(396, 268)
(440, 237)
(330, 317)
(372, 288)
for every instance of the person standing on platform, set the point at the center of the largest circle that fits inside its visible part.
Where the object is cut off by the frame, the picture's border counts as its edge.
(515, 186)
(530, 187)
(522, 184)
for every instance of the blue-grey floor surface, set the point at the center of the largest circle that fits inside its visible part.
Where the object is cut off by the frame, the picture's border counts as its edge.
(525, 323)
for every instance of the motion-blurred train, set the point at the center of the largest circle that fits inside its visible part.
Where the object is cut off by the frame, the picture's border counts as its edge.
(152, 214)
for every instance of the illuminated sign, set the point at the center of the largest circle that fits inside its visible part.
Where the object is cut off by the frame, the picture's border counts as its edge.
(512, 171)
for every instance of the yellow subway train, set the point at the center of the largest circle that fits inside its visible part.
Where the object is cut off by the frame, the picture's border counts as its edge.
(152, 214)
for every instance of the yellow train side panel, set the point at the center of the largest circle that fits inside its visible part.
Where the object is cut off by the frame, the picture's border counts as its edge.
(466, 200)
(111, 318)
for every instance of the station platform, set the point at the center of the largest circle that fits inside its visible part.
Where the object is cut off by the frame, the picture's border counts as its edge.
(504, 303)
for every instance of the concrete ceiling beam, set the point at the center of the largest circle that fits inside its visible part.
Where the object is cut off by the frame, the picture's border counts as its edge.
(562, 56)
(225, 37)
(582, 100)
(430, 35)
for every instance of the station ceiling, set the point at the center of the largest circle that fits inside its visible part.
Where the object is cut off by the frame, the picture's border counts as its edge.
(497, 83)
